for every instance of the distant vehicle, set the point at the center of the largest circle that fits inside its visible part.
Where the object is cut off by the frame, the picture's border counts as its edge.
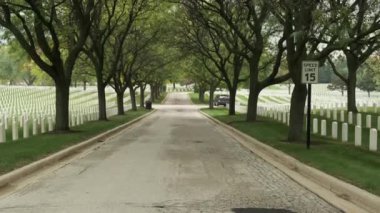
(221, 100)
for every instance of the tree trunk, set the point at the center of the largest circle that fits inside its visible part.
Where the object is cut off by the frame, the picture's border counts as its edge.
(62, 93)
(84, 85)
(254, 91)
(120, 103)
(142, 96)
(132, 93)
(252, 105)
(231, 110)
(201, 95)
(152, 93)
(351, 93)
(353, 64)
(102, 101)
(173, 85)
(369, 94)
(297, 108)
(289, 88)
(211, 98)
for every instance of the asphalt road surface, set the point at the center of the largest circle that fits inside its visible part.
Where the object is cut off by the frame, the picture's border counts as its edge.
(174, 161)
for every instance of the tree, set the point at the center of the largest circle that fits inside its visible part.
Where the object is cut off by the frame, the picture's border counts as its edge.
(361, 22)
(367, 79)
(312, 30)
(113, 23)
(338, 66)
(258, 32)
(53, 35)
(223, 49)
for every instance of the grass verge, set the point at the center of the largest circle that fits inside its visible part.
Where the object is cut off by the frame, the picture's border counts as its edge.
(195, 98)
(344, 161)
(25, 151)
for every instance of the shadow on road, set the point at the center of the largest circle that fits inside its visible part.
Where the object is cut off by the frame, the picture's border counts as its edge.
(260, 210)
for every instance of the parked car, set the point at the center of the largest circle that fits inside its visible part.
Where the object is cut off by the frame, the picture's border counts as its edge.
(221, 100)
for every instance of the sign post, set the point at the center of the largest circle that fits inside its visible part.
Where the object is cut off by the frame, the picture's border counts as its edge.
(310, 71)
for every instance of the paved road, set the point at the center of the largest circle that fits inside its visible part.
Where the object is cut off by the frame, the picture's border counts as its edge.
(174, 161)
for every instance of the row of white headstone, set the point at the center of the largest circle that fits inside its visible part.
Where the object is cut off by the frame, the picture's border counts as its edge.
(283, 117)
(344, 129)
(40, 125)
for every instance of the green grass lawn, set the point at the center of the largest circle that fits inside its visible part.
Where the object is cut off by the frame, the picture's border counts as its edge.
(345, 161)
(24, 151)
(195, 98)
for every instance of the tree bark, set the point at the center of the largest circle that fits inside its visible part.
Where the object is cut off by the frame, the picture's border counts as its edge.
(84, 85)
(254, 91)
(62, 92)
(252, 105)
(142, 96)
(102, 101)
(351, 93)
(231, 110)
(201, 94)
(120, 103)
(152, 93)
(211, 98)
(132, 94)
(297, 108)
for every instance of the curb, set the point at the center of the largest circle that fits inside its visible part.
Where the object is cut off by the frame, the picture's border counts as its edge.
(53, 158)
(340, 194)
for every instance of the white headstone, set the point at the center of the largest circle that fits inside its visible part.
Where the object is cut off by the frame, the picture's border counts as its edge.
(323, 128)
(358, 135)
(368, 121)
(43, 125)
(35, 131)
(26, 128)
(2, 133)
(315, 125)
(328, 113)
(334, 130)
(342, 116)
(50, 124)
(344, 132)
(350, 120)
(358, 119)
(373, 140)
(335, 115)
(14, 129)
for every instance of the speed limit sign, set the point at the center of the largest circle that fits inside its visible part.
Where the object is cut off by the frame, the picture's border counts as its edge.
(310, 71)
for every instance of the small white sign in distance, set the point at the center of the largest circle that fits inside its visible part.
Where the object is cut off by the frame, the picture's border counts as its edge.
(310, 70)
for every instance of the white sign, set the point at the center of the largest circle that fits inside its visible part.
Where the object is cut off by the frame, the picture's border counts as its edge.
(310, 71)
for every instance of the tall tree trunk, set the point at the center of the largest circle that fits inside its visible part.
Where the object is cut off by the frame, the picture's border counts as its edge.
(211, 98)
(231, 110)
(102, 101)
(84, 85)
(369, 94)
(62, 93)
(132, 93)
(351, 93)
(252, 105)
(120, 103)
(174, 85)
(297, 108)
(254, 91)
(201, 94)
(142, 96)
(353, 65)
(152, 93)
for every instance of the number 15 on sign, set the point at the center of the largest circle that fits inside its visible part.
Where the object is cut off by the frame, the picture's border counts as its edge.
(310, 72)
